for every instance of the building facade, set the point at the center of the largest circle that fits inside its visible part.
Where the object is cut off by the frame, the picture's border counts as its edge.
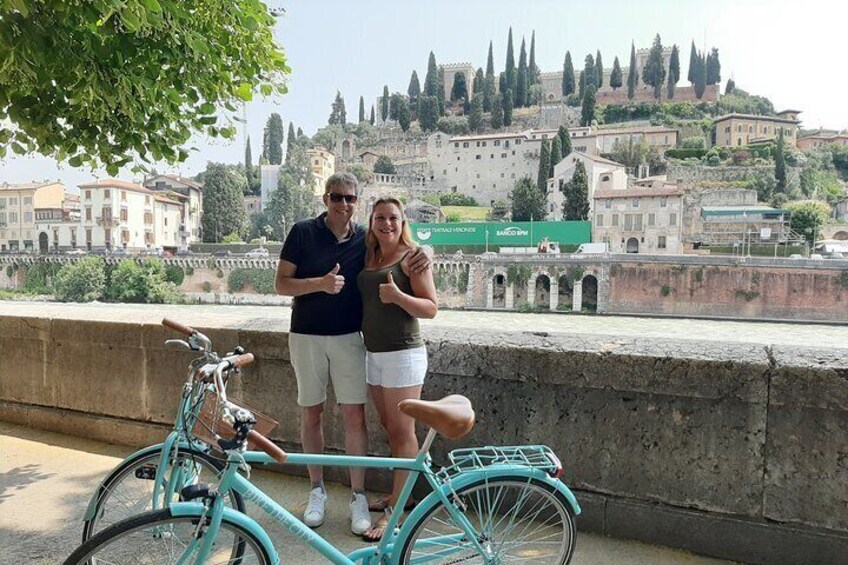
(743, 129)
(603, 175)
(820, 139)
(190, 194)
(323, 165)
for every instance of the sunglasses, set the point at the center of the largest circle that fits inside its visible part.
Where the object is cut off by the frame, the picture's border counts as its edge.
(349, 198)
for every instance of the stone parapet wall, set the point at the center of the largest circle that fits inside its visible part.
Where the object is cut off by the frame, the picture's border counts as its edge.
(696, 175)
(691, 439)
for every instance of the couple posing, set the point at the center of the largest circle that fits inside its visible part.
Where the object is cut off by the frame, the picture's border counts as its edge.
(345, 279)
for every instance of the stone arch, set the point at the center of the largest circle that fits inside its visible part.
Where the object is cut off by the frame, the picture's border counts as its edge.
(632, 246)
(565, 294)
(499, 290)
(590, 293)
(542, 295)
(43, 242)
(346, 149)
(841, 235)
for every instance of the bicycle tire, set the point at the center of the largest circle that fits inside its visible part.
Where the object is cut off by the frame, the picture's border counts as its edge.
(435, 537)
(121, 494)
(158, 537)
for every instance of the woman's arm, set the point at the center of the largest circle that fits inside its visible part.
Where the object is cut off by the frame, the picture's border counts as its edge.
(422, 303)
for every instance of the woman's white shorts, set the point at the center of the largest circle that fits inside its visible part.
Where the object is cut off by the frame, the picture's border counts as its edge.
(396, 369)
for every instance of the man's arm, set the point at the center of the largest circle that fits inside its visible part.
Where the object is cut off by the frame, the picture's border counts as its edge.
(419, 259)
(287, 285)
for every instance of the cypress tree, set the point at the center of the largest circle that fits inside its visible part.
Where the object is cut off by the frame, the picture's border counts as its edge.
(544, 167)
(615, 75)
(508, 105)
(479, 80)
(475, 116)
(361, 109)
(248, 159)
(428, 112)
(459, 92)
(371, 120)
(599, 69)
(567, 76)
(497, 112)
(338, 116)
(654, 71)
(291, 139)
(509, 70)
(632, 73)
(299, 132)
(440, 94)
(521, 80)
(581, 87)
(576, 204)
(556, 154)
(731, 86)
(590, 77)
(533, 70)
(384, 104)
(565, 141)
(273, 140)
(403, 114)
(673, 71)
(713, 67)
(489, 85)
(587, 112)
(394, 105)
(699, 73)
(693, 62)
(780, 165)
(414, 89)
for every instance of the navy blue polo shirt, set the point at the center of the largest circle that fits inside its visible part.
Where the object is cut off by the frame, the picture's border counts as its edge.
(315, 250)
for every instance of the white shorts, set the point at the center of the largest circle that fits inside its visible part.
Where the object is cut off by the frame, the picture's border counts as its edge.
(396, 369)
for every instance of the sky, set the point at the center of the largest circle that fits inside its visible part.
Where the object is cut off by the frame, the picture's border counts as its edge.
(791, 52)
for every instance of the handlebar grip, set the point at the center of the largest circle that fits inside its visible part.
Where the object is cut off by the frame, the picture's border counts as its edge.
(242, 360)
(267, 446)
(176, 326)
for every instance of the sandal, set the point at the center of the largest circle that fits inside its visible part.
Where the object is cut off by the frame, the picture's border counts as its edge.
(382, 504)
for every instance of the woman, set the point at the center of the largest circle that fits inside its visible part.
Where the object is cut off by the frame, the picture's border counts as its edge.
(393, 298)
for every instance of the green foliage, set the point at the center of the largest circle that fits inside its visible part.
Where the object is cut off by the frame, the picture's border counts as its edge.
(521, 79)
(699, 75)
(462, 281)
(459, 90)
(143, 282)
(508, 105)
(384, 103)
(453, 217)
(428, 112)
(748, 295)
(174, 274)
(527, 201)
(694, 143)
(713, 67)
(384, 166)
(272, 140)
(665, 290)
(456, 199)
(509, 65)
(207, 286)
(475, 116)
(673, 71)
(842, 280)
(223, 201)
(10, 270)
(567, 76)
(780, 165)
(599, 70)
(404, 115)
(632, 154)
(293, 199)
(497, 112)
(338, 115)
(40, 276)
(741, 102)
(653, 73)
(576, 204)
(681, 153)
(544, 168)
(189, 271)
(615, 75)
(587, 113)
(575, 274)
(361, 109)
(261, 280)
(808, 217)
(632, 75)
(518, 275)
(96, 82)
(453, 125)
(81, 281)
(699, 275)
(526, 308)
(232, 238)
(565, 141)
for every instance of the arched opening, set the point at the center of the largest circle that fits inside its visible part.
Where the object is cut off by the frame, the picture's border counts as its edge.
(43, 242)
(590, 294)
(633, 245)
(543, 292)
(499, 292)
(565, 294)
(346, 149)
(841, 235)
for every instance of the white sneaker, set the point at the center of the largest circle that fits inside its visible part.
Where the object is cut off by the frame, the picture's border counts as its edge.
(360, 517)
(316, 509)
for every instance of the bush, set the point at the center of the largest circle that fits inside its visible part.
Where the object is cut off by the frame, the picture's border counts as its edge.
(232, 238)
(740, 157)
(453, 217)
(174, 274)
(685, 153)
(696, 142)
(453, 125)
(456, 199)
(262, 280)
(143, 282)
(39, 278)
(207, 286)
(82, 281)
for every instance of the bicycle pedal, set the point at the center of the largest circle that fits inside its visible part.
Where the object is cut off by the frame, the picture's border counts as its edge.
(146, 472)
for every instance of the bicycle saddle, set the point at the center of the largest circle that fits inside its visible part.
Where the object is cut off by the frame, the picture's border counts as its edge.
(452, 416)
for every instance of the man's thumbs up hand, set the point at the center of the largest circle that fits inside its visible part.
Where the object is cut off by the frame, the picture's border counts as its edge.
(333, 282)
(389, 292)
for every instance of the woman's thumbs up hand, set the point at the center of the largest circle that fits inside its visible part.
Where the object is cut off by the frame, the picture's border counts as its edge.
(389, 291)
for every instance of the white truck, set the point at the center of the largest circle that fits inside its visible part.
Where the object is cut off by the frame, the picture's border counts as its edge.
(591, 249)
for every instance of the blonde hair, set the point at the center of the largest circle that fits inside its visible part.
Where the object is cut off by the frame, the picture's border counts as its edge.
(342, 180)
(372, 246)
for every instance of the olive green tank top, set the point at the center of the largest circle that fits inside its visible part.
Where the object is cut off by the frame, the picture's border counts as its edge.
(386, 327)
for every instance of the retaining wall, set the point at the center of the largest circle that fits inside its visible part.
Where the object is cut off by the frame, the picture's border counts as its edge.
(736, 451)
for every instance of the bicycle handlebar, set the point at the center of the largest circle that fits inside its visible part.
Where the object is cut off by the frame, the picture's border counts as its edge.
(267, 446)
(240, 360)
(178, 327)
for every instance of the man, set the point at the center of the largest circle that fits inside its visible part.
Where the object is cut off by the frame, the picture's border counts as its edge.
(318, 266)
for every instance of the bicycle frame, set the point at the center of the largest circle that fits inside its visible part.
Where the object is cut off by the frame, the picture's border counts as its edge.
(442, 493)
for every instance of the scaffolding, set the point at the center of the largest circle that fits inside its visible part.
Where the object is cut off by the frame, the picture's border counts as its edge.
(746, 226)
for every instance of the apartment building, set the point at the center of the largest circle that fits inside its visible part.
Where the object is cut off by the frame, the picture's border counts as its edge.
(190, 194)
(745, 129)
(602, 174)
(323, 165)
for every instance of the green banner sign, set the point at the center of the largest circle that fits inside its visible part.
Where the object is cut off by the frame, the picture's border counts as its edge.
(518, 234)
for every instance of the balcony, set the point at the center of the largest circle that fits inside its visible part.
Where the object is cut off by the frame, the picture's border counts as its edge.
(107, 221)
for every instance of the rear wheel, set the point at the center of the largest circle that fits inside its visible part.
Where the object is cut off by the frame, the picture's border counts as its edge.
(128, 490)
(516, 519)
(158, 538)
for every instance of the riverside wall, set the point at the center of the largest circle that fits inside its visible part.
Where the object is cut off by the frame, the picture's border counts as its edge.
(738, 451)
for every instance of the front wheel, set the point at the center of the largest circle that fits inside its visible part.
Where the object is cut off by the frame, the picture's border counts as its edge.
(129, 489)
(514, 519)
(160, 538)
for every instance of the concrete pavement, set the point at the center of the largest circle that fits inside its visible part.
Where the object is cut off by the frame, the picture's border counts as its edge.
(46, 480)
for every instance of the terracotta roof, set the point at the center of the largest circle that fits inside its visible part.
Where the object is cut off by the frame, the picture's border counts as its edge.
(26, 185)
(159, 197)
(755, 117)
(597, 159)
(114, 183)
(183, 180)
